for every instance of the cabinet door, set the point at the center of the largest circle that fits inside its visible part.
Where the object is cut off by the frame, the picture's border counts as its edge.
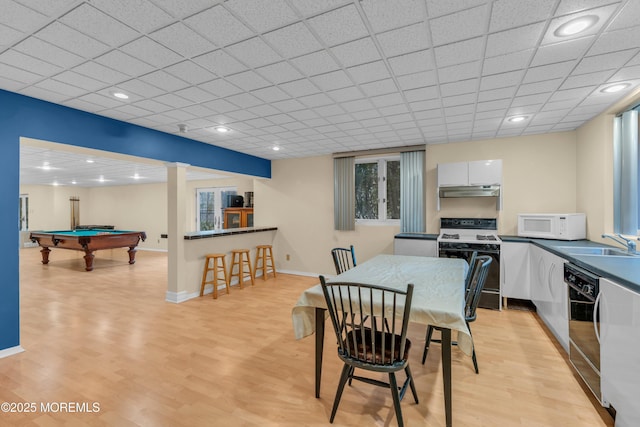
(619, 310)
(558, 316)
(415, 247)
(232, 219)
(539, 291)
(515, 270)
(485, 172)
(451, 174)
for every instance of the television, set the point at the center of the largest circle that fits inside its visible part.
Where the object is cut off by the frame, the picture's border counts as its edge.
(235, 201)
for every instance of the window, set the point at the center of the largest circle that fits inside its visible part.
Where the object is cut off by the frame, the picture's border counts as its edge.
(377, 188)
(209, 205)
(626, 194)
(24, 212)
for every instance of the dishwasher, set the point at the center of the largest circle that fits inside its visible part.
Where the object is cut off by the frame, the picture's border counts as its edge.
(584, 325)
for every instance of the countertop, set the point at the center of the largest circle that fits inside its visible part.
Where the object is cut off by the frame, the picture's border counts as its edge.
(420, 236)
(622, 270)
(226, 232)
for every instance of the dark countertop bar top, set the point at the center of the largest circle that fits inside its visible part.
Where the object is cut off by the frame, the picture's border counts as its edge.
(422, 236)
(622, 270)
(226, 232)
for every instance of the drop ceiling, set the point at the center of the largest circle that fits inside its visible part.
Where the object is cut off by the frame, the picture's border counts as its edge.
(313, 77)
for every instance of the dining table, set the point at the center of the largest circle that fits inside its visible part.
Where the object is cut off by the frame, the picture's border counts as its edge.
(438, 300)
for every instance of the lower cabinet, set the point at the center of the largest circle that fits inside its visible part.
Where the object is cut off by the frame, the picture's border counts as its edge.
(619, 310)
(238, 217)
(416, 247)
(515, 274)
(549, 292)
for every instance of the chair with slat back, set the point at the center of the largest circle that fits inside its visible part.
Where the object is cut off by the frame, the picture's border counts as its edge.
(479, 270)
(343, 258)
(371, 337)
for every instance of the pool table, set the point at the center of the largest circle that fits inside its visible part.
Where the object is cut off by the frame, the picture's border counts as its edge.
(89, 241)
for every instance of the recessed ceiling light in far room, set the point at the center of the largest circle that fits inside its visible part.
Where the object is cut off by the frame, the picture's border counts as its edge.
(119, 94)
(576, 26)
(221, 129)
(275, 148)
(517, 119)
(615, 88)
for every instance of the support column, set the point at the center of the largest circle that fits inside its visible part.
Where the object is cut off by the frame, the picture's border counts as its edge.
(176, 228)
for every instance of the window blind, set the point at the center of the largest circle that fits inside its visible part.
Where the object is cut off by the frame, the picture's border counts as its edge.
(344, 189)
(625, 171)
(412, 211)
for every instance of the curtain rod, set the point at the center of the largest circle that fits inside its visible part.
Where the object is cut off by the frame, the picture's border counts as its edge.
(377, 151)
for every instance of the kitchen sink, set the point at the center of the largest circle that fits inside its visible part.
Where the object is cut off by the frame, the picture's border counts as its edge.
(596, 251)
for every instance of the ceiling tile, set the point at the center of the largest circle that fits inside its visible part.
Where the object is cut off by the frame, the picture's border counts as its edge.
(292, 41)
(458, 26)
(315, 63)
(254, 52)
(244, 100)
(71, 40)
(312, 7)
(220, 63)
(315, 100)
(564, 51)
(151, 52)
(538, 87)
(416, 80)
(80, 81)
(346, 94)
(18, 75)
(249, 80)
(459, 87)
(164, 80)
(19, 17)
(182, 40)
(628, 16)
(547, 72)
(195, 94)
(100, 72)
(507, 14)
(439, 7)
(140, 88)
(514, 40)
(339, 26)
(299, 88)
(603, 13)
(48, 52)
(591, 79)
(501, 80)
(270, 94)
(62, 88)
(458, 53)
(219, 26)
(380, 87)
(369, 72)
(29, 63)
(385, 16)
(190, 72)
(509, 62)
(182, 8)
(140, 15)
(89, 20)
(263, 15)
(333, 80)
(404, 40)
(8, 36)
(412, 62)
(279, 73)
(459, 72)
(607, 61)
(125, 63)
(357, 52)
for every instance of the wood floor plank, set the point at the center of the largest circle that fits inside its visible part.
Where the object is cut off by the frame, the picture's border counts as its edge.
(108, 336)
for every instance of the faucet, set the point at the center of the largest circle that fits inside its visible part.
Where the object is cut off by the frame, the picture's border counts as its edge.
(619, 238)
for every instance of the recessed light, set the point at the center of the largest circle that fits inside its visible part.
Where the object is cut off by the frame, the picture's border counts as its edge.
(120, 95)
(276, 148)
(136, 176)
(74, 182)
(221, 129)
(576, 26)
(517, 119)
(615, 88)
(55, 183)
(90, 161)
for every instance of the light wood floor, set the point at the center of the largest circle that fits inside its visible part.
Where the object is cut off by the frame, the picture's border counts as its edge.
(109, 337)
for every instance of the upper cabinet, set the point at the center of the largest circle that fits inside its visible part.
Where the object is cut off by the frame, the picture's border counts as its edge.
(479, 172)
(480, 178)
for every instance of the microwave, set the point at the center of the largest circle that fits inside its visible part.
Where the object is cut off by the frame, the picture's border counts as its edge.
(571, 226)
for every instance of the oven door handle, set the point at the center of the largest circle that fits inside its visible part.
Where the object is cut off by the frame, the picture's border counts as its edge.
(596, 307)
(480, 251)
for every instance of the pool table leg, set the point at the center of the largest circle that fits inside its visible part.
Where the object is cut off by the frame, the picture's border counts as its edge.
(88, 260)
(45, 254)
(132, 254)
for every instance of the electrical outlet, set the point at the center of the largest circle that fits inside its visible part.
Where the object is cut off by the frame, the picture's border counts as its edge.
(288, 257)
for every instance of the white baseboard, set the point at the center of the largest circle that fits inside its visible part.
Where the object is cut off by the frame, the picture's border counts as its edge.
(29, 245)
(300, 273)
(177, 297)
(11, 351)
(153, 249)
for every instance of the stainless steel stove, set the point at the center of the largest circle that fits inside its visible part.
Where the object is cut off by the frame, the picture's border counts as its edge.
(460, 237)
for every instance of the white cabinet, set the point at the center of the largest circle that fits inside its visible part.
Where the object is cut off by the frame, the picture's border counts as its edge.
(415, 247)
(619, 310)
(479, 172)
(515, 275)
(549, 292)
(485, 172)
(453, 174)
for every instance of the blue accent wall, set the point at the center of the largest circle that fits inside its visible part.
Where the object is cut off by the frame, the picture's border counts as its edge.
(29, 117)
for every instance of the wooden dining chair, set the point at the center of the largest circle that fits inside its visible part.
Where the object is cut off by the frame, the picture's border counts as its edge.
(364, 343)
(343, 259)
(475, 283)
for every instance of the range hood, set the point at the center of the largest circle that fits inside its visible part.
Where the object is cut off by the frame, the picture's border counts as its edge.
(469, 191)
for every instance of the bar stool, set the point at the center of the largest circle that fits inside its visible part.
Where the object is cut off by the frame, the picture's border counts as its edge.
(216, 269)
(240, 257)
(264, 253)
